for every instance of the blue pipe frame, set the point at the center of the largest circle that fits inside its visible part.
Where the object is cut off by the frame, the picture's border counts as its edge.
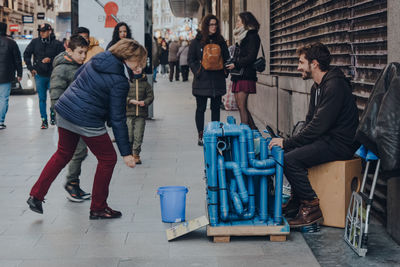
(230, 161)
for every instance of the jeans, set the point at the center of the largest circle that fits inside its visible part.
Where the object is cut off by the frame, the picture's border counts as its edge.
(102, 148)
(185, 72)
(5, 89)
(42, 86)
(174, 65)
(201, 102)
(299, 159)
(136, 127)
(164, 69)
(74, 167)
(155, 73)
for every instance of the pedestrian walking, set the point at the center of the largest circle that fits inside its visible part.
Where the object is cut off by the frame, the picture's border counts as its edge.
(43, 49)
(10, 61)
(155, 56)
(94, 46)
(98, 94)
(243, 75)
(65, 66)
(164, 57)
(183, 60)
(121, 31)
(173, 60)
(140, 96)
(208, 53)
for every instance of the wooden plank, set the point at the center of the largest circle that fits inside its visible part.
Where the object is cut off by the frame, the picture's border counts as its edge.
(277, 238)
(245, 231)
(222, 239)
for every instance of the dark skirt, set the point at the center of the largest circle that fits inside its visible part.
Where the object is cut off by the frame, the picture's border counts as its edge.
(246, 86)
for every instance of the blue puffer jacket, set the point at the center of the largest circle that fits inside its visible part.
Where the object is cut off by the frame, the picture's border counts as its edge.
(98, 94)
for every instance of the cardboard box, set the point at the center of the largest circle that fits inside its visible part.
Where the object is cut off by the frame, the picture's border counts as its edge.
(186, 227)
(334, 183)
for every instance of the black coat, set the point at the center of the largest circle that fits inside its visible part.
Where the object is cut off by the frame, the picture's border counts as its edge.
(40, 50)
(206, 82)
(10, 60)
(332, 115)
(248, 51)
(379, 128)
(164, 56)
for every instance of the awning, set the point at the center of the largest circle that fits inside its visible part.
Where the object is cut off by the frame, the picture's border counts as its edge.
(184, 8)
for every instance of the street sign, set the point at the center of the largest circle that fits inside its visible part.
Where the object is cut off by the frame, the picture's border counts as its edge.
(27, 19)
(14, 28)
(40, 15)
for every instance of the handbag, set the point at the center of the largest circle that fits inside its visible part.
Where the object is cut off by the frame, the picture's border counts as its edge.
(259, 64)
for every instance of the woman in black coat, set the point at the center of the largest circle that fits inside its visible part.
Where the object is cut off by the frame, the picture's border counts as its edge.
(244, 82)
(207, 83)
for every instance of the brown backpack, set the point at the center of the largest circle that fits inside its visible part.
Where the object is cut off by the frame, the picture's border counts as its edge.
(212, 58)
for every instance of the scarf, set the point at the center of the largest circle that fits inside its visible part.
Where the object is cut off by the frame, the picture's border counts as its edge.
(239, 34)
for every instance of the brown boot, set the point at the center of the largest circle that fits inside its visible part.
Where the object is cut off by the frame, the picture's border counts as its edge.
(200, 140)
(137, 159)
(309, 213)
(291, 208)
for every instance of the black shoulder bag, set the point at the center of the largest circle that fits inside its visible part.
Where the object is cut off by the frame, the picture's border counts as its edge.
(259, 64)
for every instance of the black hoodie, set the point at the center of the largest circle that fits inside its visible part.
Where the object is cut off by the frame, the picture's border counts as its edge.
(332, 115)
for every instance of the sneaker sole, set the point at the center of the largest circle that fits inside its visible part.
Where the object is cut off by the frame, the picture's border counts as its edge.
(319, 220)
(87, 197)
(72, 199)
(102, 218)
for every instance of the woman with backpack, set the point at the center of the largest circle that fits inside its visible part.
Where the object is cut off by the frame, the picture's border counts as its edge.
(243, 74)
(207, 56)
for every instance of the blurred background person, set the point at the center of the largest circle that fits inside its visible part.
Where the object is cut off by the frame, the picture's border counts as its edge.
(121, 31)
(183, 60)
(10, 61)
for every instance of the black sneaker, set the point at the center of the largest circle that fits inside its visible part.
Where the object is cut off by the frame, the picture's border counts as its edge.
(45, 124)
(84, 195)
(35, 204)
(73, 192)
(2, 126)
(52, 118)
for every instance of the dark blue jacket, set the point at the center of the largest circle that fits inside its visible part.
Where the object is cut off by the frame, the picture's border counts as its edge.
(98, 94)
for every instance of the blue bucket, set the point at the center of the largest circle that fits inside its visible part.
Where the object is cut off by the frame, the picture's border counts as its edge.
(173, 203)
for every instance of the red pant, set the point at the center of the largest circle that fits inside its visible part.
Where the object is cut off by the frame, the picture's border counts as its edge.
(102, 148)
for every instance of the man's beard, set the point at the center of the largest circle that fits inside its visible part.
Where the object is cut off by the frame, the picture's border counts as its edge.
(306, 75)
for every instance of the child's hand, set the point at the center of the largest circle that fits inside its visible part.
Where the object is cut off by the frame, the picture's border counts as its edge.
(133, 102)
(129, 161)
(141, 103)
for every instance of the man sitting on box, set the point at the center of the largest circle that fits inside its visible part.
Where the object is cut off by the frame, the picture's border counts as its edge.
(328, 134)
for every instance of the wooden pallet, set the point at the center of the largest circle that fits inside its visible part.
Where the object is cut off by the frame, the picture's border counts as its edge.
(222, 234)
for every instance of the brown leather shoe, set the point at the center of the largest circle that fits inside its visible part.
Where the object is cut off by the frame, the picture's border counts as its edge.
(107, 213)
(291, 208)
(137, 159)
(309, 213)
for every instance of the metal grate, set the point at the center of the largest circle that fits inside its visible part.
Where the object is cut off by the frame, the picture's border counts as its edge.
(354, 30)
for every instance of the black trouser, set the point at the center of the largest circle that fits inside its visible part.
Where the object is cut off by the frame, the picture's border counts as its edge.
(173, 65)
(298, 160)
(185, 72)
(201, 102)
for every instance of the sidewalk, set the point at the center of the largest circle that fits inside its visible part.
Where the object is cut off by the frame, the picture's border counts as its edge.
(64, 235)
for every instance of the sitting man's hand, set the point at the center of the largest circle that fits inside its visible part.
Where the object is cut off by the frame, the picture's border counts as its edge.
(276, 142)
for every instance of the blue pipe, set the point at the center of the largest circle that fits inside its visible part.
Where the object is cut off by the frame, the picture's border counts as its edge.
(237, 203)
(223, 191)
(263, 184)
(211, 170)
(252, 205)
(253, 162)
(277, 153)
(237, 172)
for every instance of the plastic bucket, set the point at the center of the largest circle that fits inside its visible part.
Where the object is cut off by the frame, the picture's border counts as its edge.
(172, 203)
